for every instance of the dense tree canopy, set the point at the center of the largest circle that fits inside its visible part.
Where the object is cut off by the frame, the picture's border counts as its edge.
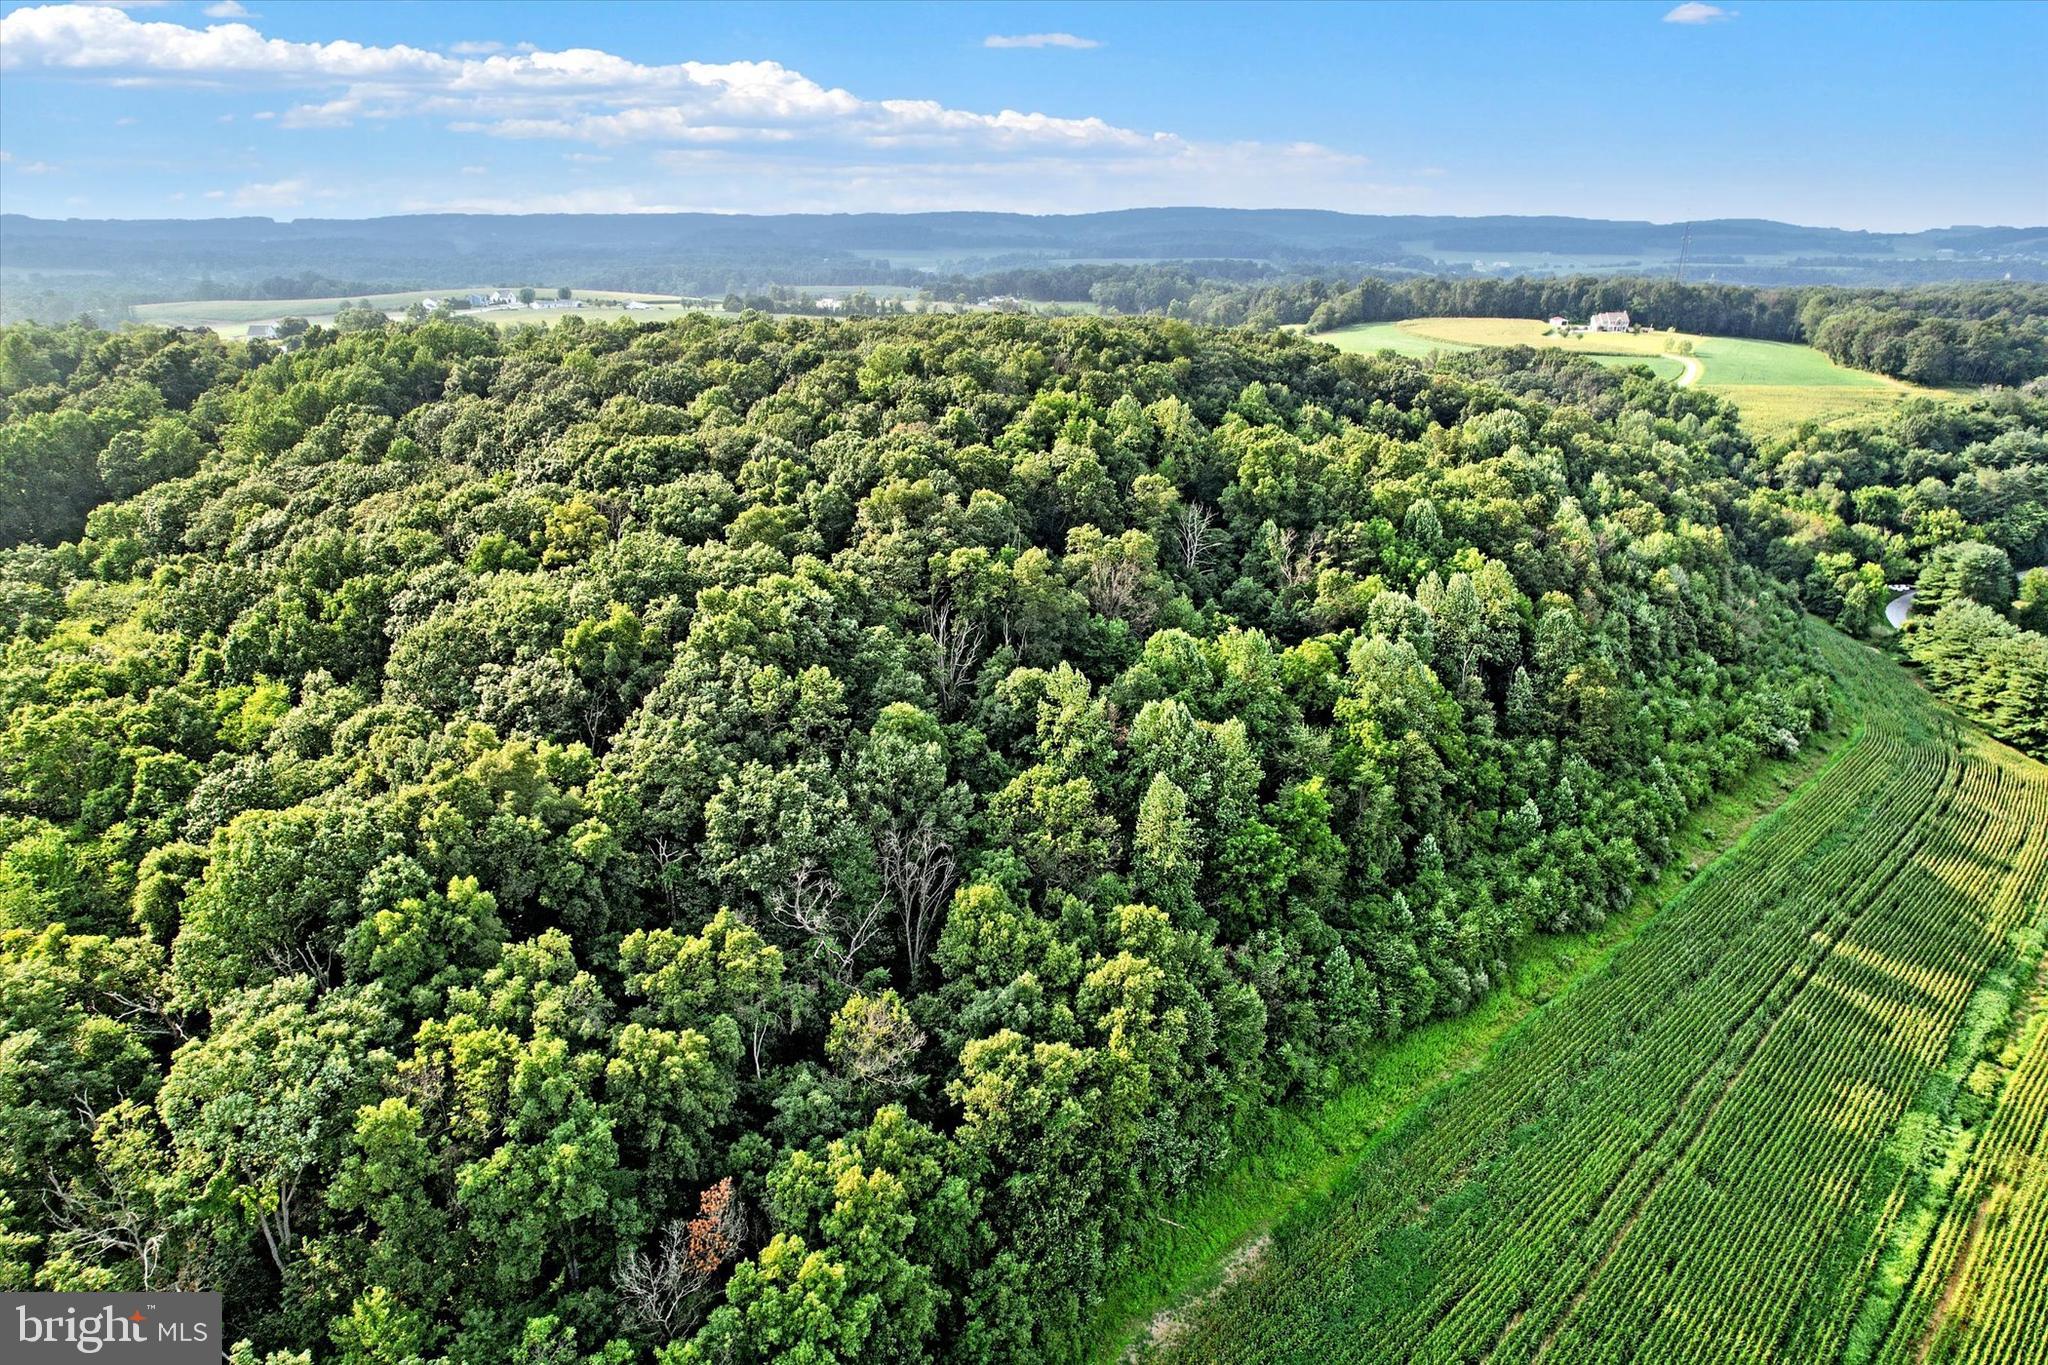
(1950, 499)
(748, 841)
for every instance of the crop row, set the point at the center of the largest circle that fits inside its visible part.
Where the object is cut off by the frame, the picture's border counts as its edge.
(1653, 1166)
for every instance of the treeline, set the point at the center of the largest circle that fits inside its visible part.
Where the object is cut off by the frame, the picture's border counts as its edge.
(1129, 289)
(1977, 334)
(1949, 497)
(739, 841)
(1966, 334)
(1986, 666)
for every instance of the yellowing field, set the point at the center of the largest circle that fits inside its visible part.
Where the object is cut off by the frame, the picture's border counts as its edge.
(1776, 384)
(1801, 1116)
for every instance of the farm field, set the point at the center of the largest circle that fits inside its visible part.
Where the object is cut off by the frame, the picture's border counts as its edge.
(232, 316)
(1801, 1115)
(1776, 384)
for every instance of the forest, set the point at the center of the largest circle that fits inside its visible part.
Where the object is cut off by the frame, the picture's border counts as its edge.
(1950, 498)
(746, 840)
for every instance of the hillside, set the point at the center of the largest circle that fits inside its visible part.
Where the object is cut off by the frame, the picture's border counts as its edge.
(1789, 1120)
(878, 803)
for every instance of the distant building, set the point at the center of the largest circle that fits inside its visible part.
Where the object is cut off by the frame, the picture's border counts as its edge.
(262, 331)
(829, 305)
(634, 303)
(430, 304)
(479, 300)
(1559, 322)
(504, 296)
(1004, 303)
(556, 303)
(1609, 322)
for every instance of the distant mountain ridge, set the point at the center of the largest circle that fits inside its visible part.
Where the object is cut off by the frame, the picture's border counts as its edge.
(56, 268)
(1164, 233)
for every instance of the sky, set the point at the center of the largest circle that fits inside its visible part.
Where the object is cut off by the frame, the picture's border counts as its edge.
(1882, 116)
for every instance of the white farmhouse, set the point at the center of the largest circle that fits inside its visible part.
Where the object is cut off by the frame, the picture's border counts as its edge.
(1609, 322)
(262, 331)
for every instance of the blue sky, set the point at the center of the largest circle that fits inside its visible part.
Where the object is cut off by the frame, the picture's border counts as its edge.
(1868, 115)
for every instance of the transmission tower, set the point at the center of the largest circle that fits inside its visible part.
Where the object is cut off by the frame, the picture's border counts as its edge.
(1684, 250)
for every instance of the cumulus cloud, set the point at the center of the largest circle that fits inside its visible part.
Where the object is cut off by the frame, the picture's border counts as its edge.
(577, 94)
(1037, 40)
(1694, 12)
(745, 135)
(226, 9)
(274, 194)
(482, 48)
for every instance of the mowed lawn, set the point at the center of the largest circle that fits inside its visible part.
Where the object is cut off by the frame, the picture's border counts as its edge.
(1776, 384)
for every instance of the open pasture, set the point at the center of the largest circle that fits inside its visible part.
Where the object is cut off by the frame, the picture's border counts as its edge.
(1776, 384)
(231, 317)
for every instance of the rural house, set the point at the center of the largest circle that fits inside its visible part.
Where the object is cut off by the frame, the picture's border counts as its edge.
(1559, 322)
(1609, 322)
(262, 331)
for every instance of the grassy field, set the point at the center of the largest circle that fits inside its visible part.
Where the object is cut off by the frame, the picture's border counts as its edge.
(1776, 384)
(1800, 1114)
(233, 316)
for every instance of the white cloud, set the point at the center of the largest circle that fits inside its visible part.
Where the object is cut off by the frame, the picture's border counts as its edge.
(476, 170)
(1037, 40)
(216, 194)
(226, 9)
(333, 114)
(27, 167)
(1694, 12)
(577, 94)
(124, 123)
(744, 135)
(483, 48)
(275, 194)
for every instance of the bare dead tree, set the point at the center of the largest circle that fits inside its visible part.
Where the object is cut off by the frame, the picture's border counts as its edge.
(959, 647)
(1297, 569)
(663, 1288)
(1113, 583)
(1193, 529)
(813, 904)
(918, 871)
(101, 1218)
(102, 1214)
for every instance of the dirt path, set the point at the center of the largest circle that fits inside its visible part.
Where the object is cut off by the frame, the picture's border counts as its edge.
(1898, 609)
(1693, 369)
